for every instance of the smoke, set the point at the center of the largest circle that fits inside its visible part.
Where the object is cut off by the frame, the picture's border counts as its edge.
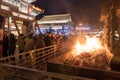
(84, 11)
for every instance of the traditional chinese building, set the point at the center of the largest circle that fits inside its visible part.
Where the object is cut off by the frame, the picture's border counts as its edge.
(17, 15)
(110, 16)
(60, 23)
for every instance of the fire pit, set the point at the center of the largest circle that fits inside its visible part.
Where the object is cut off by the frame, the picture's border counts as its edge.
(89, 60)
(90, 54)
(84, 65)
(97, 59)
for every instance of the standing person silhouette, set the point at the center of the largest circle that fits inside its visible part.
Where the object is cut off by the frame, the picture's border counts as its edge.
(12, 44)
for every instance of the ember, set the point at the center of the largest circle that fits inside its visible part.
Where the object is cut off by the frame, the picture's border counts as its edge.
(92, 54)
(97, 59)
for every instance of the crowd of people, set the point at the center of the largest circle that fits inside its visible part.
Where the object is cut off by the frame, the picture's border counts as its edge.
(30, 42)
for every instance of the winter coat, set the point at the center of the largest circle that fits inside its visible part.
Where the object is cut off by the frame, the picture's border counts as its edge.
(29, 44)
(21, 43)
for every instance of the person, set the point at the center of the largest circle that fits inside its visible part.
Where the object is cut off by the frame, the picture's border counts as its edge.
(5, 45)
(53, 39)
(47, 39)
(21, 43)
(40, 42)
(29, 43)
(11, 44)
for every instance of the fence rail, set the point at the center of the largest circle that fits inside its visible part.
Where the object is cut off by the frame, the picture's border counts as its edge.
(10, 72)
(36, 58)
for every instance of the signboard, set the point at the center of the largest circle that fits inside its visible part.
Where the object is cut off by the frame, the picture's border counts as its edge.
(5, 7)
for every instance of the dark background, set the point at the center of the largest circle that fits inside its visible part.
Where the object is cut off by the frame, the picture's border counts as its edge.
(82, 11)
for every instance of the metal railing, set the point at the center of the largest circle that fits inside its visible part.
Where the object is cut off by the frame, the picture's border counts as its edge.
(10, 72)
(36, 58)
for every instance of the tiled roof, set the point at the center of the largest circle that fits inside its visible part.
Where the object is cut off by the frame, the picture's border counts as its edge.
(61, 18)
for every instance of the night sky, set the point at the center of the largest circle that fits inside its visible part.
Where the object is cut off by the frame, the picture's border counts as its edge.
(82, 11)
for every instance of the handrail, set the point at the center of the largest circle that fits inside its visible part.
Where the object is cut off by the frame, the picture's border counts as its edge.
(36, 58)
(22, 73)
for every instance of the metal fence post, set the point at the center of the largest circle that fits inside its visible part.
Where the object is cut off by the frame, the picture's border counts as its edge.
(55, 47)
(17, 59)
(32, 59)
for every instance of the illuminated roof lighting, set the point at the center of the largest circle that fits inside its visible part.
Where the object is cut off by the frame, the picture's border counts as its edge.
(36, 8)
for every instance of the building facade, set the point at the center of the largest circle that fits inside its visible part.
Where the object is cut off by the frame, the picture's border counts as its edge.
(17, 16)
(57, 24)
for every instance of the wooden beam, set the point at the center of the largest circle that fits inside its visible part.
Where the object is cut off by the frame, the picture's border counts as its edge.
(14, 21)
(9, 25)
(37, 25)
(3, 24)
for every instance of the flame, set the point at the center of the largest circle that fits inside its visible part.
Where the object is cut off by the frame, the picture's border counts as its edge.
(91, 44)
(90, 52)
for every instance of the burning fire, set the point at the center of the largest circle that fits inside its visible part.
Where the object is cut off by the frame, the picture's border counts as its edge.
(91, 44)
(89, 53)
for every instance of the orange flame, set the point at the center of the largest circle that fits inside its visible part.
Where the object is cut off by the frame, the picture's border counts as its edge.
(91, 44)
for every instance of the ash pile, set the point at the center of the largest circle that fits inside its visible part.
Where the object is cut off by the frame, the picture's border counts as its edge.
(99, 59)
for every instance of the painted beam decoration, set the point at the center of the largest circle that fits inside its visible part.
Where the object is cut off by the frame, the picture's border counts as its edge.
(21, 8)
